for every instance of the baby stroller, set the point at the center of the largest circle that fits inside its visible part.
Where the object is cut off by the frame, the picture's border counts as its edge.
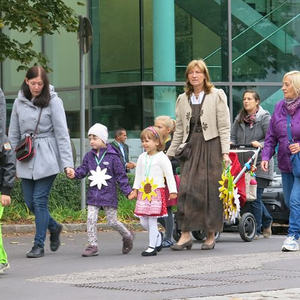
(245, 183)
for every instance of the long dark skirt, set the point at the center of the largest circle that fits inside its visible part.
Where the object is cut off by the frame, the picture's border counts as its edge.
(199, 206)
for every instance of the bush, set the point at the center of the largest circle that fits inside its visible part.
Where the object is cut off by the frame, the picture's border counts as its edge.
(64, 203)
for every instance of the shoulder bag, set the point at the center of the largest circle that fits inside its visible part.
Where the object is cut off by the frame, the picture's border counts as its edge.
(25, 150)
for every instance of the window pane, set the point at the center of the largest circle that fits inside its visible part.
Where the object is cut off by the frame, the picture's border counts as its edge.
(266, 39)
(201, 33)
(116, 49)
(62, 50)
(118, 107)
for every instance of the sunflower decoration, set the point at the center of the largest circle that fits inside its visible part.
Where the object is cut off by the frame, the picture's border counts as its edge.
(148, 189)
(229, 195)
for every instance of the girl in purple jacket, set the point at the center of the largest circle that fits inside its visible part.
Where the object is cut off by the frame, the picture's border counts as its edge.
(277, 134)
(105, 170)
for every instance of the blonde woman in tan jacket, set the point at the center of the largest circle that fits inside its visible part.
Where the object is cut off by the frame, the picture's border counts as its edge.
(201, 141)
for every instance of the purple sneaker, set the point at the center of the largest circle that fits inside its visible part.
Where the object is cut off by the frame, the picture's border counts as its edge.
(90, 251)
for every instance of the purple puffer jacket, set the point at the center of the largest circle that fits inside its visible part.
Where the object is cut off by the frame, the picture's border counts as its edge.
(277, 134)
(107, 196)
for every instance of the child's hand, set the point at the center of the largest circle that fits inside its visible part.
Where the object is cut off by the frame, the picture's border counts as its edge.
(173, 195)
(130, 165)
(5, 200)
(132, 195)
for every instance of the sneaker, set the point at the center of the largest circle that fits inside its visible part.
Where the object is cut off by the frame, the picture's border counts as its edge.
(267, 232)
(4, 267)
(256, 237)
(90, 251)
(290, 244)
(167, 243)
(127, 244)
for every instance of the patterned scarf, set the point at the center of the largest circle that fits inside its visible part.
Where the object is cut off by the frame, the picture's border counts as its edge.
(291, 105)
(250, 119)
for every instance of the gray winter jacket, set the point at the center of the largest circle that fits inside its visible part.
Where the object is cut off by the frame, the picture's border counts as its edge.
(52, 142)
(242, 134)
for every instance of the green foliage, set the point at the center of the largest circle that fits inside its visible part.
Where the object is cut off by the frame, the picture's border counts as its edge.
(38, 17)
(64, 203)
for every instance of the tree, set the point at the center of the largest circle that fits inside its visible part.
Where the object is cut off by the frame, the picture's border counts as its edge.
(38, 17)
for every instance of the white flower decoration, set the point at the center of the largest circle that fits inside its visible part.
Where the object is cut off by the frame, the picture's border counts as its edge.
(99, 177)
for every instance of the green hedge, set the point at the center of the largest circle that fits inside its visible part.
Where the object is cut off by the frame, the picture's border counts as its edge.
(64, 203)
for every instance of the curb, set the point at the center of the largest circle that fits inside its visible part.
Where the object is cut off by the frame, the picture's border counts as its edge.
(30, 228)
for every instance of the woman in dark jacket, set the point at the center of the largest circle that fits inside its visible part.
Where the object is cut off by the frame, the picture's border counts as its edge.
(250, 127)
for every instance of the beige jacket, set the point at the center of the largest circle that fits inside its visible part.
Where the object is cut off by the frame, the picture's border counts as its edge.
(215, 120)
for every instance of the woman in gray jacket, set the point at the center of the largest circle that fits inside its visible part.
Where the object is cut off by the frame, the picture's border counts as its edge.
(52, 146)
(250, 127)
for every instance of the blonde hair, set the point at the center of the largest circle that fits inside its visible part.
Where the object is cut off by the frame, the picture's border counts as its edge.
(167, 122)
(295, 80)
(203, 68)
(153, 133)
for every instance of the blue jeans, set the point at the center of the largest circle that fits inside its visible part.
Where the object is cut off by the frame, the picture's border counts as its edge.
(291, 192)
(262, 216)
(36, 195)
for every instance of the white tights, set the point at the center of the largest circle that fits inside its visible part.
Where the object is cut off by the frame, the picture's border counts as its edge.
(150, 224)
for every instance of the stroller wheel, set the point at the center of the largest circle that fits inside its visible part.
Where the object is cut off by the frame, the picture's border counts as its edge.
(247, 227)
(199, 235)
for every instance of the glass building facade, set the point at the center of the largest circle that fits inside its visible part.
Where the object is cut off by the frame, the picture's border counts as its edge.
(135, 68)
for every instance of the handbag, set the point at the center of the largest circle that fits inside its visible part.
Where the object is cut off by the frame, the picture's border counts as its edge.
(25, 150)
(295, 158)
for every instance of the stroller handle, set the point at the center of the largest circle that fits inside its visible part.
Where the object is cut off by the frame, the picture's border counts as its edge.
(241, 146)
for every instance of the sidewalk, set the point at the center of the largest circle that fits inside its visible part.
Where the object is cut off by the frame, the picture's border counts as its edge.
(30, 228)
(233, 270)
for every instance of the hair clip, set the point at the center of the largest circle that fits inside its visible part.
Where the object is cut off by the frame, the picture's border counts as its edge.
(153, 131)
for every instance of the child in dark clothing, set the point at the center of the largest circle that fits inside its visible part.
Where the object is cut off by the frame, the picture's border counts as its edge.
(7, 176)
(105, 168)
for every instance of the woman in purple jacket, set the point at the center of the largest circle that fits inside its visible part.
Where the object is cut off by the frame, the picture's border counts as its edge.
(277, 134)
(105, 168)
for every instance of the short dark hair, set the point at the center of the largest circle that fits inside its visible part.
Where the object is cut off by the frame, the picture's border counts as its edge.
(43, 99)
(119, 131)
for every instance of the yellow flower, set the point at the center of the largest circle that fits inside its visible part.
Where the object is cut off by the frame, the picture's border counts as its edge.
(148, 189)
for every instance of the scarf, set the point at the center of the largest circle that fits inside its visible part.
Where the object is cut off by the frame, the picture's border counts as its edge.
(291, 105)
(250, 119)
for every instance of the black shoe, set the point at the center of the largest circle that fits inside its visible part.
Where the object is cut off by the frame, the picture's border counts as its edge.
(54, 238)
(152, 253)
(158, 248)
(35, 252)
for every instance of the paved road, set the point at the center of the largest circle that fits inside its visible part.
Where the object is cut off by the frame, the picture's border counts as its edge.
(232, 269)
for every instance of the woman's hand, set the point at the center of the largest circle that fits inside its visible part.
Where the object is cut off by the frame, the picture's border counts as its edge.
(70, 172)
(226, 160)
(264, 165)
(294, 148)
(132, 195)
(5, 200)
(256, 144)
(173, 196)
